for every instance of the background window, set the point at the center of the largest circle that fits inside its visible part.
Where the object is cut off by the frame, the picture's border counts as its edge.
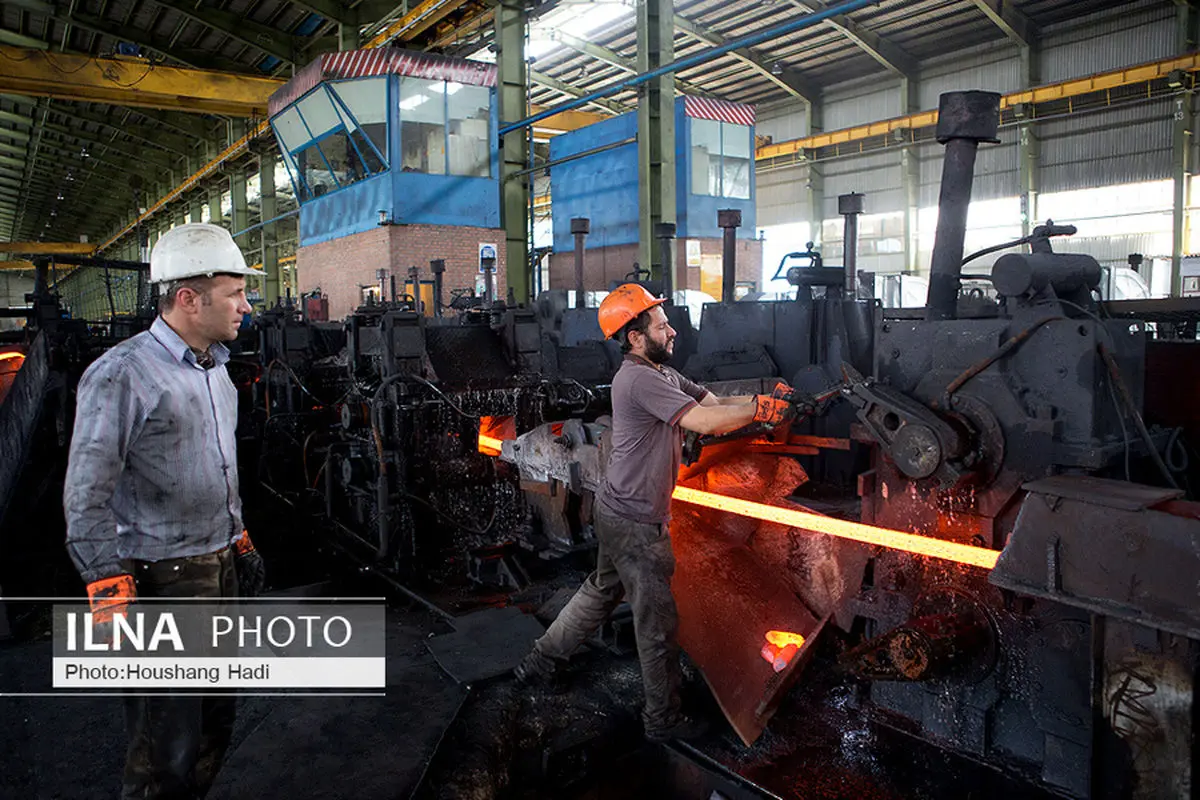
(736, 161)
(722, 159)
(366, 100)
(422, 126)
(467, 140)
(706, 157)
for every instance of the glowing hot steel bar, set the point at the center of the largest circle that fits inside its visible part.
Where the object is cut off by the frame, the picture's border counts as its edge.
(869, 534)
(489, 445)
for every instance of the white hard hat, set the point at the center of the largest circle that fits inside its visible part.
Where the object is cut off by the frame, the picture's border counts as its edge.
(196, 249)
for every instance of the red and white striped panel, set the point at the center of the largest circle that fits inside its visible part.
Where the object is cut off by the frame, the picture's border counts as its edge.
(381, 61)
(718, 110)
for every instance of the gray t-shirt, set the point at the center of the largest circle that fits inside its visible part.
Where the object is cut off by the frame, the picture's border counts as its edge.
(648, 402)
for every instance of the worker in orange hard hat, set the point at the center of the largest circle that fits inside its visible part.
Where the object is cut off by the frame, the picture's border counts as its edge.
(652, 405)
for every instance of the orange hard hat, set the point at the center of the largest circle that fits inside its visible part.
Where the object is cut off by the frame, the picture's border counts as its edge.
(624, 304)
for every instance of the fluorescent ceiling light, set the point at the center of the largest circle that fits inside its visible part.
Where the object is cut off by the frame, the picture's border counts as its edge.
(411, 102)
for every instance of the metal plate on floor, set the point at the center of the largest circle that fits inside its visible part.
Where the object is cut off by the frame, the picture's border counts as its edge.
(485, 644)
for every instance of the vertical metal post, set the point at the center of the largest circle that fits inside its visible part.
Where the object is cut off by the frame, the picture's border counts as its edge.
(240, 215)
(1183, 114)
(910, 175)
(656, 126)
(438, 267)
(273, 285)
(347, 31)
(665, 232)
(580, 226)
(729, 220)
(489, 295)
(850, 206)
(215, 215)
(1027, 142)
(514, 99)
(964, 120)
(414, 278)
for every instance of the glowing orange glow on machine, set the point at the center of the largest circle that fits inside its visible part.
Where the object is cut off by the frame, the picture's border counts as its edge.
(7, 356)
(857, 531)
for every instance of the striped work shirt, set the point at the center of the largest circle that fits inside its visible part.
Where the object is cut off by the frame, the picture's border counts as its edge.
(153, 466)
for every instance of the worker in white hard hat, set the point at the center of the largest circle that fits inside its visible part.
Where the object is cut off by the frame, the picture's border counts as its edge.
(151, 497)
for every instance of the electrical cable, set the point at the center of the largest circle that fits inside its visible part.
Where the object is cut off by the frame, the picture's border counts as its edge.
(1135, 414)
(442, 395)
(477, 531)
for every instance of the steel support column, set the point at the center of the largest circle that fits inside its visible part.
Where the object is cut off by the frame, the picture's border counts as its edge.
(514, 147)
(1181, 165)
(656, 128)
(814, 185)
(347, 31)
(910, 180)
(240, 214)
(1028, 148)
(214, 206)
(272, 285)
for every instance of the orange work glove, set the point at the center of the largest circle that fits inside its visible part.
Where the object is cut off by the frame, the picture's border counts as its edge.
(109, 596)
(771, 410)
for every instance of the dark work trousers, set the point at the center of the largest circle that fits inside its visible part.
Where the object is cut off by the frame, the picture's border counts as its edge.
(177, 742)
(633, 559)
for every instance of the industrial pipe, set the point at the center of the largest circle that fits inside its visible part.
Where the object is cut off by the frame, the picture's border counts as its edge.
(729, 220)
(414, 277)
(964, 120)
(580, 226)
(665, 232)
(850, 206)
(703, 57)
(438, 267)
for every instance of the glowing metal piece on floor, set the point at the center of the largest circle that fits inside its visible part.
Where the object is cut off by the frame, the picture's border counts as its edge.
(857, 531)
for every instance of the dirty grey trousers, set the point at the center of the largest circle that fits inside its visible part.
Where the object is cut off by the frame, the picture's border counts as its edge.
(177, 742)
(633, 559)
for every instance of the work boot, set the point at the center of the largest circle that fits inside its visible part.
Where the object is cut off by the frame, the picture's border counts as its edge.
(536, 668)
(685, 728)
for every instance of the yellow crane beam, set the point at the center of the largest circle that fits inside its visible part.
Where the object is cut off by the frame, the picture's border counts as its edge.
(16, 264)
(48, 248)
(1063, 90)
(133, 82)
(415, 22)
(565, 120)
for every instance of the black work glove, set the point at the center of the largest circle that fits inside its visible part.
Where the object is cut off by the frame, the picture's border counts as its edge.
(248, 563)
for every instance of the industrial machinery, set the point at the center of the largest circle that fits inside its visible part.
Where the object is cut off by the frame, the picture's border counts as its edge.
(386, 425)
(1073, 660)
(1043, 618)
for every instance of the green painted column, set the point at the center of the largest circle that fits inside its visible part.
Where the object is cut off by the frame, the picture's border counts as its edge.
(514, 148)
(1028, 148)
(268, 241)
(1183, 121)
(347, 32)
(814, 184)
(656, 128)
(910, 179)
(214, 205)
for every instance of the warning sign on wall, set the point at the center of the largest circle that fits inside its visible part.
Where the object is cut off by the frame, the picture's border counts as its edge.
(487, 251)
(693, 253)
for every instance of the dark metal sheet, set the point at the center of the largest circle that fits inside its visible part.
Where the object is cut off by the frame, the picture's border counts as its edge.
(1099, 491)
(485, 644)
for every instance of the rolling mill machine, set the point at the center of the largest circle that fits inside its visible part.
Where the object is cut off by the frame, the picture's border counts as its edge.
(1020, 600)
(971, 500)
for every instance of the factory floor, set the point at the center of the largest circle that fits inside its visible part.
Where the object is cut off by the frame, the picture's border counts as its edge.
(432, 738)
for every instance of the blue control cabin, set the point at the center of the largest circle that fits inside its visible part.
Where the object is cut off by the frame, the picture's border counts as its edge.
(714, 160)
(390, 154)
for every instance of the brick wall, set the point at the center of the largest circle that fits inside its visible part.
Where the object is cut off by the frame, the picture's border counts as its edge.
(603, 265)
(342, 266)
